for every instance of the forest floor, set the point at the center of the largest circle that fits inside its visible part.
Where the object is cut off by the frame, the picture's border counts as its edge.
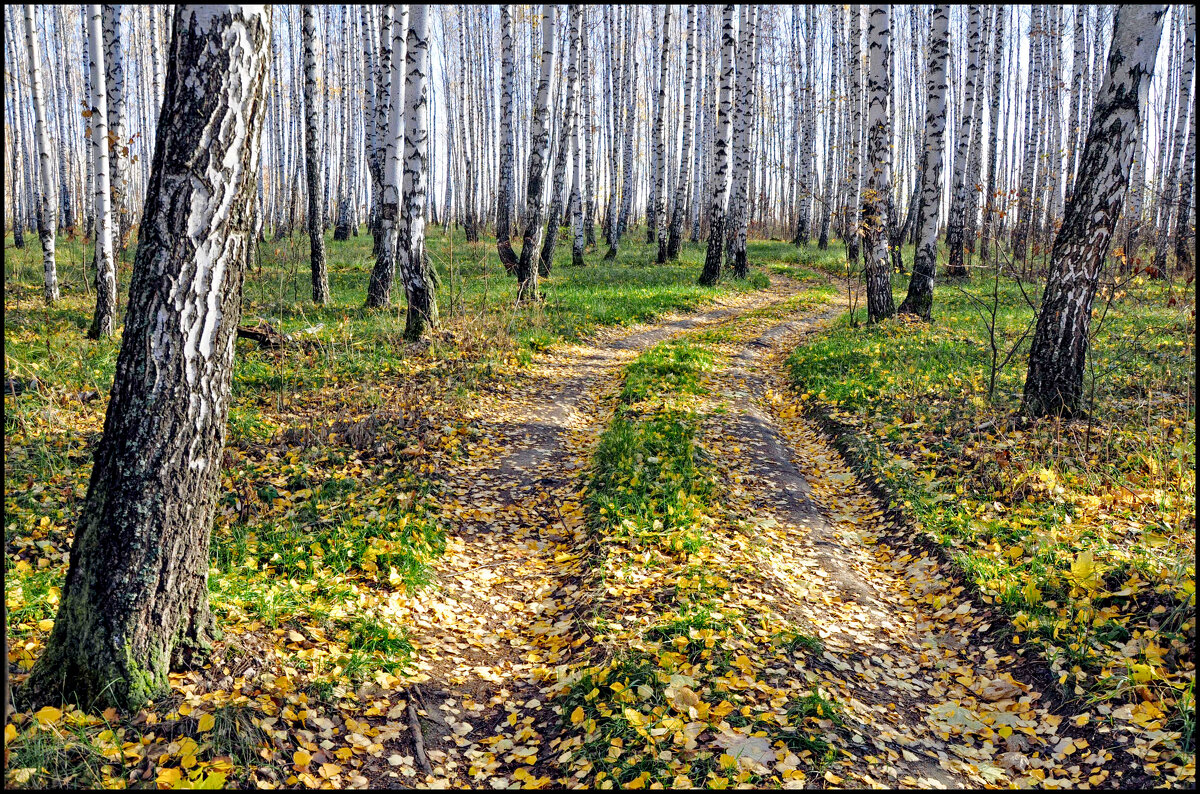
(614, 543)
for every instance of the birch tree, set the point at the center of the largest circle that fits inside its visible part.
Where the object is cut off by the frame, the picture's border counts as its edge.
(853, 233)
(677, 211)
(628, 134)
(118, 153)
(716, 212)
(539, 151)
(550, 242)
(958, 202)
(105, 318)
(919, 300)
(135, 601)
(312, 131)
(411, 257)
(879, 166)
(504, 194)
(739, 209)
(1177, 170)
(45, 205)
(656, 207)
(1057, 355)
(993, 189)
(379, 288)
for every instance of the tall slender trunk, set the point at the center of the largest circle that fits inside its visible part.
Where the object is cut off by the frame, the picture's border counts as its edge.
(677, 212)
(919, 300)
(879, 173)
(504, 197)
(118, 155)
(854, 232)
(808, 120)
(379, 289)
(1025, 195)
(628, 133)
(575, 202)
(411, 258)
(739, 208)
(993, 192)
(550, 241)
(312, 161)
(135, 600)
(1178, 171)
(656, 207)
(539, 150)
(105, 318)
(1058, 352)
(45, 204)
(832, 133)
(956, 225)
(716, 213)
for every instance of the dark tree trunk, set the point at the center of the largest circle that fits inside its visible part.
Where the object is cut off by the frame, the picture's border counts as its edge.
(1057, 356)
(135, 602)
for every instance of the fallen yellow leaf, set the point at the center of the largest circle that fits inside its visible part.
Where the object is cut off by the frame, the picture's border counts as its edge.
(48, 715)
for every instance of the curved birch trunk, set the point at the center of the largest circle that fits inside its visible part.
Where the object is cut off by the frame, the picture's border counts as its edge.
(135, 601)
(411, 257)
(677, 212)
(312, 132)
(716, 212)
(504, 194)
(45, 207)
(955, 226)
(879, 166)
(539, 150)
(563, 156)
(105, 318)
(1058, 353)
(919, 300)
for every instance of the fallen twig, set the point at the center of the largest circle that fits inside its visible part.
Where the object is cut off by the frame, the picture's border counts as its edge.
(418, 736)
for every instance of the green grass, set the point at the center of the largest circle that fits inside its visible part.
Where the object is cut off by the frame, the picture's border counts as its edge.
(650, 479)
(1082, 532)
(306, 522)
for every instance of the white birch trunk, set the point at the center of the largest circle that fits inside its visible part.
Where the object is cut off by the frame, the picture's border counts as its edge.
(716, 229)
(45, 205)
(105, 318)
(411, 257)
(919, 300)
(879, 166)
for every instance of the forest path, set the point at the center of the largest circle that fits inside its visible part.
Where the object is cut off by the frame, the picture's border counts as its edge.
(922, 696)
(501, 619)
(926, 699)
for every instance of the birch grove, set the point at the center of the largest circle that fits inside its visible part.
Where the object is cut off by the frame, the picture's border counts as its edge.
(529, 365)
(627, 130)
